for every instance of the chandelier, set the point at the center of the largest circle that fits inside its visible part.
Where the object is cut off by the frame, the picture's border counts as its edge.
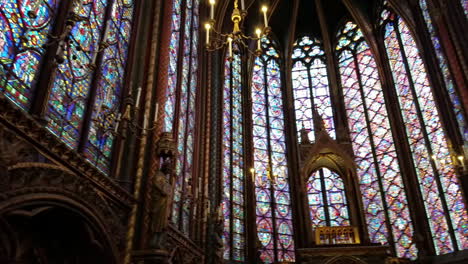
(217, 40)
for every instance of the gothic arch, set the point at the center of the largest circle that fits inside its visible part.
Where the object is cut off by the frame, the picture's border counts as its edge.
(344, 259)
(45, 193)
(329, 154)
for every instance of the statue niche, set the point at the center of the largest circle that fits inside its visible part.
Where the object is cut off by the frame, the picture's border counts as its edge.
(161, 194)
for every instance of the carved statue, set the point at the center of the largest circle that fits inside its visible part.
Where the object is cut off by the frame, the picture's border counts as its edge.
(160, 198)
(304, 135)
(162, 191)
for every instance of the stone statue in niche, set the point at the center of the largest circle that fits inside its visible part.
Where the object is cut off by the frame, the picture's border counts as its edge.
(161, 193)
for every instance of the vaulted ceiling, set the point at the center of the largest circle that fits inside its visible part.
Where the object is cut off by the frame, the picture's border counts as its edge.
(290, 19)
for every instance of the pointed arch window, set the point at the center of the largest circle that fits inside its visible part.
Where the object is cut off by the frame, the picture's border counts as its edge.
(382, 188)
(439, 184)
(273, 201)
(86, 88)
(179, 109)
(328, 205)
(310, 87)
(233, 160)
(444, 67)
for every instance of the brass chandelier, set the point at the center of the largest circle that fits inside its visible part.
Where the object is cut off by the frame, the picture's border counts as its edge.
(217, 40)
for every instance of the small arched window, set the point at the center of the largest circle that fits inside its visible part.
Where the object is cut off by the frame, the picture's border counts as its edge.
(326, 194)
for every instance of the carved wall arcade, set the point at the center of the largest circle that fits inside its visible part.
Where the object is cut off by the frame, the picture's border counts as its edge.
(49, 214)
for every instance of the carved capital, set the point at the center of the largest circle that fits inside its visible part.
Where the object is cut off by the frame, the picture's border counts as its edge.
(166, 146)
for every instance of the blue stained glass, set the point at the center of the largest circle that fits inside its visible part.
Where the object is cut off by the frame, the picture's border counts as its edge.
(233, 164)
(72, 85)
(182, 94)
(25, 27)
(109, 88)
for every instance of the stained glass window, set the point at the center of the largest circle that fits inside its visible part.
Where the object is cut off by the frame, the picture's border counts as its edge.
(310, 86)
(327, 199)
(82, 85)
(233, 161)
(25, 26)
(73, 82)
(448, 79)
(180, 105)
(273, 201)
(109, 85)
(439, 184)
(383, 193)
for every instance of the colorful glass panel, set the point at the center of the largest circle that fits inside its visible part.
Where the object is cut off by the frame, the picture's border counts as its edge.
(273, 201)
(439, 184)
(327, 199)
(185, 121)
(233, 161)
(169, 107)
(72, 84)
(379, 173)
(443, 64)
(310, 87)
(25, 26)
(109, 85)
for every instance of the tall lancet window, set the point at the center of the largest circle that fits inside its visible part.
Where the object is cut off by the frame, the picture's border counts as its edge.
(310, 86)
(24, 29)
(327, 199)
(383, 192)
(447, 75)
(273, 201)
(233, 161)
(439, 184)
(109, 84)
(86, 86)
(179, 109)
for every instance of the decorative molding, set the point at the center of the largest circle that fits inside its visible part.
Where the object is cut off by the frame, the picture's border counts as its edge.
(32, 132)
(51, 182)
(187, 250)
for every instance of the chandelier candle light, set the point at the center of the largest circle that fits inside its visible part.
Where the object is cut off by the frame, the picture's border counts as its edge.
(217, 40)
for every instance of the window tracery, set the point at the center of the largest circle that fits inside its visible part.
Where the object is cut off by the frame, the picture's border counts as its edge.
(81, 85)
(233, 160)
(326, 194)
(180, 103)
(310, 87)
(439, 184)
(273, 201)
(25, 29)
(382, 188)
